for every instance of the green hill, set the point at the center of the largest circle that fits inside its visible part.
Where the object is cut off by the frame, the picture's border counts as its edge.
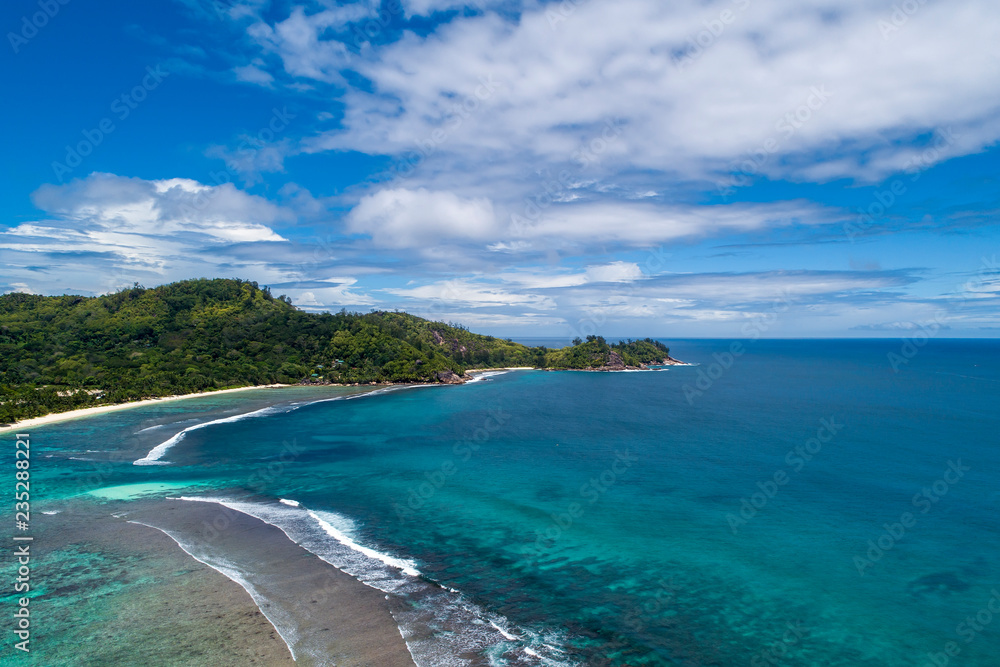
(60, 353)
(596, 353)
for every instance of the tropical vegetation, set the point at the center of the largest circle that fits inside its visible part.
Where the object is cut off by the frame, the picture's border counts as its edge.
(59, 353)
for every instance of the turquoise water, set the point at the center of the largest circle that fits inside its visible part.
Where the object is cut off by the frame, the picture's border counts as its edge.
(801, 503)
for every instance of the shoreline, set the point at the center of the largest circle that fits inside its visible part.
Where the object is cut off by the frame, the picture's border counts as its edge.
(53, 417)
(473, 371)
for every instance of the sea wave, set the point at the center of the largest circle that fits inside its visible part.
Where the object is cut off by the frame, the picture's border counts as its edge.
(157, 453)
(441, 626)
(482, 377)
(406, 566)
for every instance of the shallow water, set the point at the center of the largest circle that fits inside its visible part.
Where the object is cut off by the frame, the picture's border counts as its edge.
(595, 518)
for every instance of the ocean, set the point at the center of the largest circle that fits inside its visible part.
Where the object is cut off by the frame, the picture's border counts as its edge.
(792, 502)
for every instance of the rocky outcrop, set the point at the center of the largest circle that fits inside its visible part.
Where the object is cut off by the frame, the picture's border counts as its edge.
(614, 362)
(452, 343)
(448, 377)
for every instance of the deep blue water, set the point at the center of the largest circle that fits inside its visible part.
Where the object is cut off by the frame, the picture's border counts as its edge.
(799, 503)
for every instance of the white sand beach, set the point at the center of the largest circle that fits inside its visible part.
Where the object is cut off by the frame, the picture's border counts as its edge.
(101, 409)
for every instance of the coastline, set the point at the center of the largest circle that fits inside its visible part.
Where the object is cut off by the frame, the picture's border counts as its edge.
(53, 417)
(473, 371)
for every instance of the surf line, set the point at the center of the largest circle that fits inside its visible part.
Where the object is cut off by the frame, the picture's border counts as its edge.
(157, 453)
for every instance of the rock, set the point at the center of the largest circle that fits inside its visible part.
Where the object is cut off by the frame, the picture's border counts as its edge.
(448, 377)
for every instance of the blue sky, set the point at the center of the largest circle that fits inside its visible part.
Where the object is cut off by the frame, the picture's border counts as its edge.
(627, 168)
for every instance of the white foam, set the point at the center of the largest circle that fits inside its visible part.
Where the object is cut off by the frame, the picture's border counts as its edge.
(481, 377)
(332, 537)
(503, 632)
(155, 454)
(51, 512)
(407, 566)
(290, 503)
(386, 390)
(310, 534)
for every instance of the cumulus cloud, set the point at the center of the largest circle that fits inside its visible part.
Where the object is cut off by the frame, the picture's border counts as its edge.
(399, 218)
(615, 272)
(254, 73)
(472, 294)
(110, 203)
(404, 218)
(698, 89)
(548, 143)
(298, 40)
(615, 290)
(641, 224)
(105, 230)
(323, 297)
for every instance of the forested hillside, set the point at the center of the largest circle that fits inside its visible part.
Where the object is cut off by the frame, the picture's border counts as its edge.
(597, 353)
(63, 352)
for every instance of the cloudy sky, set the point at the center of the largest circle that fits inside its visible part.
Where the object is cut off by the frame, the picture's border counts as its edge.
(527, 168)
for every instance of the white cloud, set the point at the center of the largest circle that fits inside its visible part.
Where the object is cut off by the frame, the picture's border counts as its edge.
(428, 7)
(473, 294)
(637, 223)
(399, 218)
(770, 286)
(484, 321)
(615, 272)
(338, 295)
(297, 40)
(404, 218)
(251, 159)
(816, 81)
(692, 301)
(253, 73)
(116, 205)
(104, 230)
